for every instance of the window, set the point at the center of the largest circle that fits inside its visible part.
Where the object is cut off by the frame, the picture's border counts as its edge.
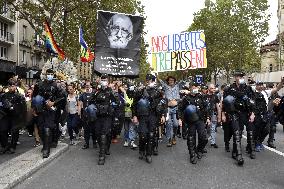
(34, 60)
(270, 68)
(24, 57)
(24, 33)
(3, 52)
(4, 8)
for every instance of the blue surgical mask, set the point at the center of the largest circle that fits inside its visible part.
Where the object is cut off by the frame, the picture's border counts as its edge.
(242, 81)
(49, 77)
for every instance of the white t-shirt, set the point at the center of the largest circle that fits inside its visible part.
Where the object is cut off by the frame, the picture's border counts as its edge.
(267, 95)
(72, 105)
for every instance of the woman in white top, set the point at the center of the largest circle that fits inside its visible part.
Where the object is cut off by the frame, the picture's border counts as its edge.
(74, 112)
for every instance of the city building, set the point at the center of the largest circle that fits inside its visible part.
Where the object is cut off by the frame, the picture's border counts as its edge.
(21, 51)
(84, 70)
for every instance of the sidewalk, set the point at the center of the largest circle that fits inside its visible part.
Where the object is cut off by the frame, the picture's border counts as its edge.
(21, 167)
(26, 144)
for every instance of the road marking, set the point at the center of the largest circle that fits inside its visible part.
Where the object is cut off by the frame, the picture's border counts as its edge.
(271, 149)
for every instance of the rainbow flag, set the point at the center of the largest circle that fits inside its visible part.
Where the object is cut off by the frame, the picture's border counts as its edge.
(50, 43)
(86, 54)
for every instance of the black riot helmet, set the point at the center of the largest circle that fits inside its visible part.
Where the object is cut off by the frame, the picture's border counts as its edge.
(239, 72)
(150, 77)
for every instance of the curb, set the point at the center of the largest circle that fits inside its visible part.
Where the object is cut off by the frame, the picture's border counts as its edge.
(20, 168)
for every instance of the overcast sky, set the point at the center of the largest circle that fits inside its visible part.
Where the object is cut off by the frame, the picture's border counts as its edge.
(173, 16)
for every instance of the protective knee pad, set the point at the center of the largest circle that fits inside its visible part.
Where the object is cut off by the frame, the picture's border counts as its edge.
(191, 144)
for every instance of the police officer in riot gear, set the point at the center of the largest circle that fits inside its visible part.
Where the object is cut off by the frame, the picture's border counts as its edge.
(13, 109)
(103, 100)
(147, 109)
(238, 112)
(192, 110)
(46, 97)
(87, 118)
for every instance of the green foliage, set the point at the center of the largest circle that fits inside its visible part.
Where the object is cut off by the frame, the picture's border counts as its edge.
(234, 31)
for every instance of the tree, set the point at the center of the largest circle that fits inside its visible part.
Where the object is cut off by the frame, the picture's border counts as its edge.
(234, 31)
(65, 17)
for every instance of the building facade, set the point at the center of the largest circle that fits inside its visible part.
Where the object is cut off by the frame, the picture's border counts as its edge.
(84, 70)
(20, 50)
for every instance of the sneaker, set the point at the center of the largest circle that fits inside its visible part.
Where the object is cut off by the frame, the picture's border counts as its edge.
(126, 144)
(18, 143)
(261, 147)
(37, 144)
(30, 135)
(133, 145)
(257, 148)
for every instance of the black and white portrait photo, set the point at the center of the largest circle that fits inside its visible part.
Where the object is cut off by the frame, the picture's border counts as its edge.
(119, 30)
(118, 43)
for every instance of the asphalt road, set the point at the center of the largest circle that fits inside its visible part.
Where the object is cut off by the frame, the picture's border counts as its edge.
(78, 169)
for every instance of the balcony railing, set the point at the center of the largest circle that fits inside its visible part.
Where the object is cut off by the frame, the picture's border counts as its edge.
(6, 36)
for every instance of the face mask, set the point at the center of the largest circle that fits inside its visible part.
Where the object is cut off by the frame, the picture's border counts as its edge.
(131, 88)
(194, 91)
(242, 81)
(153, 84)
(49, 77)
(104, 83)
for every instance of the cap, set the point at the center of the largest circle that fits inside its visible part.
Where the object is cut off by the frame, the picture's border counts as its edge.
(259, 83)
(12, 82)
(49, 71)
(104, 76)
(239, 73)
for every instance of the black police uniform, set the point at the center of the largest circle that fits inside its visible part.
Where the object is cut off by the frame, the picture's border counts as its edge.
(103, 100)
(13, 108)
(192, 110)
(262, 119)
(147, 107)
(46, 119)
(238, 104)
(119, 117)
(88, 124)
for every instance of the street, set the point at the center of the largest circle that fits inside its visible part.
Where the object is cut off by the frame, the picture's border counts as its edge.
(78, 168)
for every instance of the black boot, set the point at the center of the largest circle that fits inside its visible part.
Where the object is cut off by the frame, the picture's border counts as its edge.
(251, 145)
(227, 147)
(46, 142)
(154, 138)
(108, 144)
(102, 144)
(141, 147)
(239, 157)
(54, 137)
(191, 149)
(149, 148)
(271, 144)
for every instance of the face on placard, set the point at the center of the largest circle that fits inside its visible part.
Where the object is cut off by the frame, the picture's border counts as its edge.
(120, 31)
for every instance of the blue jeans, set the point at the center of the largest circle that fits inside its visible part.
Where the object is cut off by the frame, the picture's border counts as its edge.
(171, 123)
(130, 130)
(213, 129)
(72, 123)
